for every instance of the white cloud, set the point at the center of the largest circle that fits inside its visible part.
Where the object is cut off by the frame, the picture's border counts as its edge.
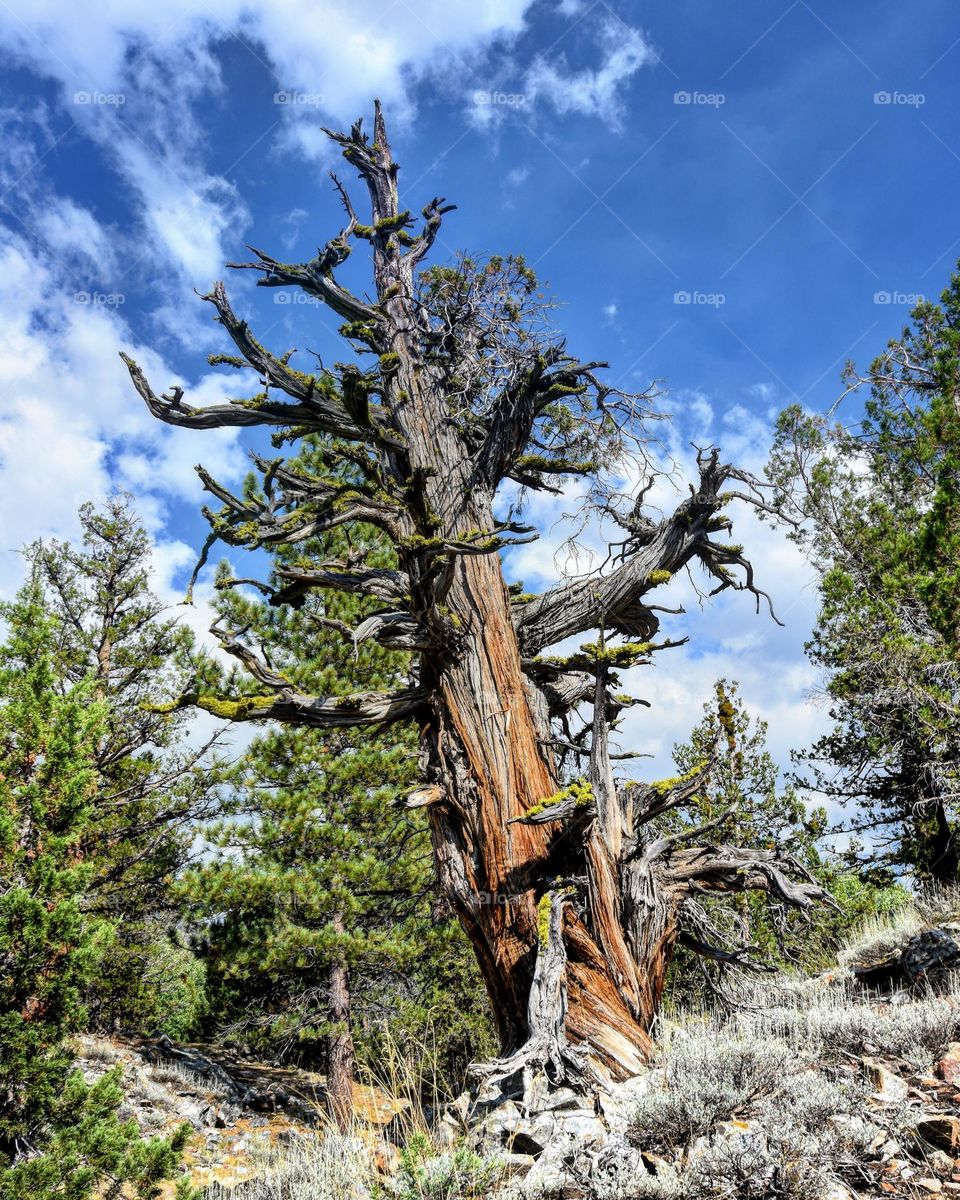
(609, 311)
(72, 427)
(341, 51)
(139, 79)
(593, 92)
(72, 234)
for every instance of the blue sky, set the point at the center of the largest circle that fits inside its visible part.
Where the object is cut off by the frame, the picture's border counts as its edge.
(731, 199)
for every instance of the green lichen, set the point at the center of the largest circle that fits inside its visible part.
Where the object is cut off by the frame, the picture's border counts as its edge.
(238, 709)
(625, 655)
(362, 331)
(171, 706)
(662, 786)
(392, 224)
(257, 401)
(659, 576)
(544, 904)
(555, 466)
(233, 710)
(545, 907)
(579, 791)
(417, 541)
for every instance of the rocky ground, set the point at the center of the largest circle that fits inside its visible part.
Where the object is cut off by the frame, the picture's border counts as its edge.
(243, 1113)
(835, 1088)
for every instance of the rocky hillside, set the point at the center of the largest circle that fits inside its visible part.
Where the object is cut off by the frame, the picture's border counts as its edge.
(244, 1114)
(833, 1088)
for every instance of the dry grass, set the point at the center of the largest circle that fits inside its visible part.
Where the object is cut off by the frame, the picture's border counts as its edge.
(879, 937)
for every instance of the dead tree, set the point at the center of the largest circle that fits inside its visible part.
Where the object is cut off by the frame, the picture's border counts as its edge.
(571, 896)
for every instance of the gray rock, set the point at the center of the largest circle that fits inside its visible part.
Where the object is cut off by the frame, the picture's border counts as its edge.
(553, 1172)
(516, 1165)
(560, 1098)
(227, 1115)
(931, 952)
(584, 1126)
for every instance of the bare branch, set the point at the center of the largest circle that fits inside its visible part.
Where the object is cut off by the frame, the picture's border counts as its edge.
(433, 218)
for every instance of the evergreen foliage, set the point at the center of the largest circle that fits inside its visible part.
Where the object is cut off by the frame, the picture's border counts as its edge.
(878, 499)
(58, 1136)
(744, 793)
(152, 786)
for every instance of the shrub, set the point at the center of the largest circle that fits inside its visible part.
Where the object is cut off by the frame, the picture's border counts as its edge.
(331, 1167)
(833, 1023)
(454, 1175)
(708, 1074)
(801, 1133)
(147, 984)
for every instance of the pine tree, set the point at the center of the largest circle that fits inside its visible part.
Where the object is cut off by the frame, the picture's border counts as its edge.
(152, 788)
(742, 797)
(58, 1137)
(878, 499)
(322, 895)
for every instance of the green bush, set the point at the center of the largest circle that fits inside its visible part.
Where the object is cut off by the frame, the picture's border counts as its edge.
(147, 985)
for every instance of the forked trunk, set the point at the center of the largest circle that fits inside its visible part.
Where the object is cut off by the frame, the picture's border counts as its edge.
(487, 752)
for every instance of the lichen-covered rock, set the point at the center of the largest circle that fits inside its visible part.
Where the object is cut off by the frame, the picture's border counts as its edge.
(929, 956)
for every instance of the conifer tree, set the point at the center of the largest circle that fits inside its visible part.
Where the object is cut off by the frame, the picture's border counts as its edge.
(743, 798)
(878, 501)
(457, 389)
(58, 1137)
(112, 630)
(323, 895)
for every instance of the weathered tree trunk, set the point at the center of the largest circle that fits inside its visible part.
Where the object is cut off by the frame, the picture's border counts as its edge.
(340, 1057)
(486, 752)
(568, 894)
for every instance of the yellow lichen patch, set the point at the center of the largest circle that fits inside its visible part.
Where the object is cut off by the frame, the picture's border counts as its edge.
(667, 785)
(234, 710)
(543, 917)
(580, 792)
